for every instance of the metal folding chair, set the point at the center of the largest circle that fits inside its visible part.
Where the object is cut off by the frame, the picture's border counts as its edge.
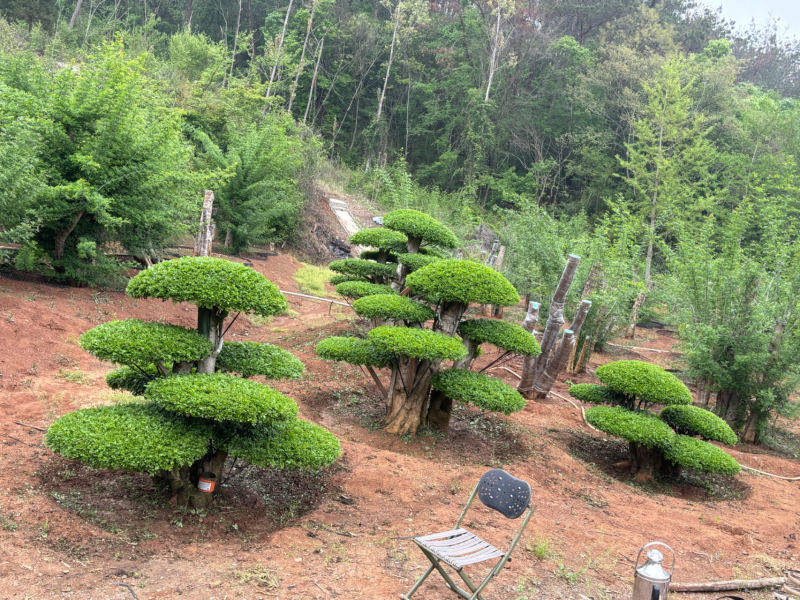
(459, 547)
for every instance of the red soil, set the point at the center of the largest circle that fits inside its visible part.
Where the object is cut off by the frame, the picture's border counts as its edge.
(71, 532)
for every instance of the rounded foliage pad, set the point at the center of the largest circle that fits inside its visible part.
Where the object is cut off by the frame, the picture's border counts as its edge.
(134, 342)
(643, 381)
(416, 224)
(359, 289)
(356, 351)
(417, 343)
(134, 437)
(462, 281)
(594, 393)
(379, 237)
(337, 279)
(294, 444)
(209, 283)
(388, 257)
(693, 420)
(133, 380)
(478, 389)
(508, 336)
(254, 358)
(362, 268)
(637, 427)
(392, 306)
(699, 455)
(416, 261)
(222, 398)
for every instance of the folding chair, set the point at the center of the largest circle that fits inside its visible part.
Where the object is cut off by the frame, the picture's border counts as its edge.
(459, 547)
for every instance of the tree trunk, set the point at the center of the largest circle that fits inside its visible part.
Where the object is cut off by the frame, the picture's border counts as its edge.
(703, 393)
(61, 237)
(529, 362)
(209, 325)
(408, 400)
(729, 406)
(202, 243)
(278, 53)
(302, 56)
(750, 429)
(313, 81)
(187, 15)
(635, 313)
(75, 14)
(646, 463)
(555, 320)
(235, 38)
(440, 411)
(544, 383)
(472, 350)
(389, 63)
(412, 247)
(493, 56)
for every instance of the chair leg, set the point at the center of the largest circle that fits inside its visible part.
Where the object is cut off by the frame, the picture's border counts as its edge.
(410, 592)
(436, 564)
(476, 591)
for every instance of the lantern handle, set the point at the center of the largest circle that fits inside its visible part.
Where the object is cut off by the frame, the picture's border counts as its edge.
(672, 552)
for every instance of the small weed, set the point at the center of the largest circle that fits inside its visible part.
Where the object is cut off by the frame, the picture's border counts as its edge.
(526, 588)
(568, 575)
(260, 575)
(33, 370)
(64, 360)
(10, 317)
(541, 548)
(455, 487)
(32, 297)
(73, 376)
(259, 321)
(100, 298)
(44, 529)
(7, 523)
(177, 522)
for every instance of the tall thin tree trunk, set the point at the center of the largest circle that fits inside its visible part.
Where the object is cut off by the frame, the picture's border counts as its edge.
(529, 362)
(75, 14)
(313, 81)
(493, 57)
(280, 47)
(235, 38)
(635, 313)
(187, 15)
(301, 64)
(389, 63)
(204, 239)
(649, 258)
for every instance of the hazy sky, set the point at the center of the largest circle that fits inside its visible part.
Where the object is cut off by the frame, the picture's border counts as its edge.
(744, 11)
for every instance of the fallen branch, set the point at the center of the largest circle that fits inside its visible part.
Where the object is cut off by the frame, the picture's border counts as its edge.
(769, 474)
(517, 375)
(580, 408)
(727, 586)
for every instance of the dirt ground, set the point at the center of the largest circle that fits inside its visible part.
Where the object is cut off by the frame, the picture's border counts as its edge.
(68, 531)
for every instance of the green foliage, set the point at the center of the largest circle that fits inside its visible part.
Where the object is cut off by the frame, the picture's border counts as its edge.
(337, 279)
(392, 306)
(311, 279)
(293, 444)
(416, 343)
(508, 336)
(416, 224)
(595, 394)
(462, 281)
(699, 455)
(359, 289)
(380, 237)
(356, 351)
(638, 427)
(479, 389)
(134, 342)
(644, 382)
(133, 437)
(254, 358)
(221, 397)
(362, 268)
(693, 420)
(416, 261)
(209, 283)
(379, 255)
(132, 379)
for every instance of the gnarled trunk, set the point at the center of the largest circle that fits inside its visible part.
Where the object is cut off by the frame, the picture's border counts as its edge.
(182, 481)
(439, 411)
(646, 463)
(209, 324)
(407, 404)
(730, 407)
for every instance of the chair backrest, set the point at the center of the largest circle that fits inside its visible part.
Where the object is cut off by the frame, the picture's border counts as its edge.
(504, 493)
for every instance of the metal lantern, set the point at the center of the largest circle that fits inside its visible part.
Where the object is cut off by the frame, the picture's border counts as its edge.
(651, 580)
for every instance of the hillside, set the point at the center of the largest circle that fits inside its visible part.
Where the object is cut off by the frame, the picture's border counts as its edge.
(73, 532)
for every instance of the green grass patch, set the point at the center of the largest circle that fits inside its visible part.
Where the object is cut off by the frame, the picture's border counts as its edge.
(312, 279)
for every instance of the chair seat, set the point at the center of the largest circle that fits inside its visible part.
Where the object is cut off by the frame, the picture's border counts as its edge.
(458, 547)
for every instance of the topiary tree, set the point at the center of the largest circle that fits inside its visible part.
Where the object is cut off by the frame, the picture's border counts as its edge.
(195, 412)
(658, 443)
(420, 389)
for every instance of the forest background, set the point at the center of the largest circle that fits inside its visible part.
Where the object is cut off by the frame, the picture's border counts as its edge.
(651, 138)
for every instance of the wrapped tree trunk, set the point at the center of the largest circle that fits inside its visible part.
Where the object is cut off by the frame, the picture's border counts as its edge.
(528, 324)
(555, 320)
(498, 264)
(202, 243)
(577, 323)
(544, 383)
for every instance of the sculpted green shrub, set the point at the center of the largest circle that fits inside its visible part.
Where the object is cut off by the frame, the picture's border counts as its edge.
(381, 256)
(508, 336)
(478, 389)
(253, 358)
(337, 279)
(192, 417)
(374, 271)
(434, 290)
(653, 442)
(394, 307)
(693, 420)
(380, 237)
(643, 383)
(359, 289)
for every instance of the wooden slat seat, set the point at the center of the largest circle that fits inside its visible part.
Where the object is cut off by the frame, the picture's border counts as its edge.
(458, 547)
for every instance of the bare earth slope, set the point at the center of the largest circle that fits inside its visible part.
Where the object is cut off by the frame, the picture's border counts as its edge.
(71, 532)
